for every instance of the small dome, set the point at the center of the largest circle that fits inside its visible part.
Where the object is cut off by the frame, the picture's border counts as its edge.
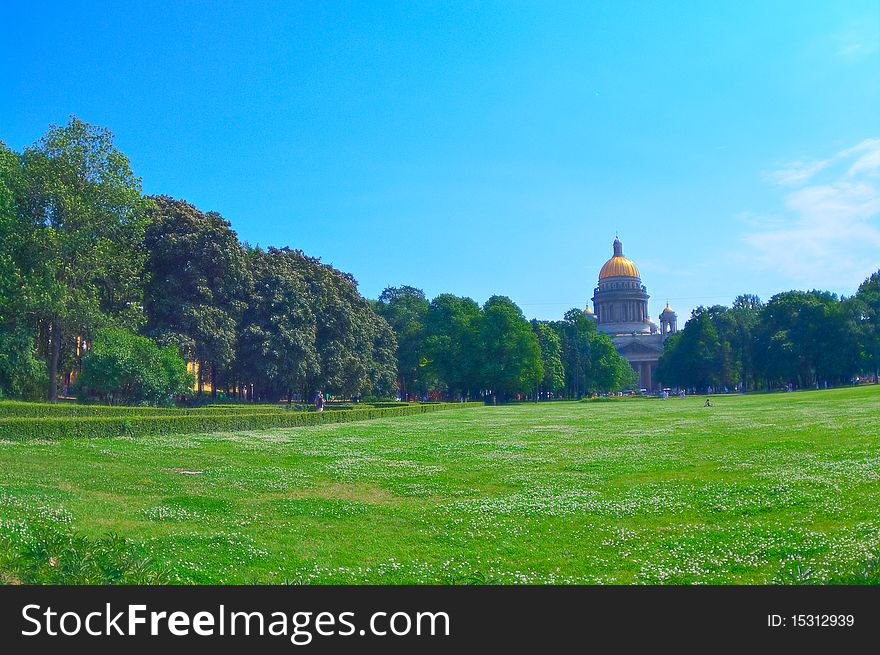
(588, 310)
(618, 265)
(667, 310)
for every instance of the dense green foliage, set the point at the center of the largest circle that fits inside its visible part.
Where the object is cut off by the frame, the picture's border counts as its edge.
(607, 370)
(692, 357)
(83, 205)
(590, 362)
(22, 374)
(512, 355)
(453, 350)
(553, 370)
(277, 349)
(125, 368)
(406, 309)
(867, 308)
(356, 348)
(798, 338)
(761, 488)
(197, 284)
(307, 328)
(465, 350)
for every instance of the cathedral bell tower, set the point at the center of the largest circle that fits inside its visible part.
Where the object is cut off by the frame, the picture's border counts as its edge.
(668, 321)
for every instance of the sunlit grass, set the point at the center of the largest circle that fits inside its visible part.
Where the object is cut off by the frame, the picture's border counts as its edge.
(757, 489)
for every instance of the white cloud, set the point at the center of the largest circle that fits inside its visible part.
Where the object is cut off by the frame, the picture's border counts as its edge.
(829, 233)
(863, 157)
(868, 161)
(796, 172)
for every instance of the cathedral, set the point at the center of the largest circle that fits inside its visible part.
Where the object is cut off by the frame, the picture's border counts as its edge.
(620, 303)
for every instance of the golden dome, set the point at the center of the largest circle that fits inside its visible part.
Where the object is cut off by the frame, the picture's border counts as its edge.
(618, 265)
(588, 310)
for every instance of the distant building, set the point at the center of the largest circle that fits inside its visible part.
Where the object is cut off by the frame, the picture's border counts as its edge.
(620, 303)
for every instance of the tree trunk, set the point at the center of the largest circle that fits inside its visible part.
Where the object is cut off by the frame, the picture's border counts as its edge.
(54, 357)
(213, 381)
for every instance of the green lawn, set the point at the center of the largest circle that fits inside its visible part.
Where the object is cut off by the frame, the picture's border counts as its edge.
(757, 489)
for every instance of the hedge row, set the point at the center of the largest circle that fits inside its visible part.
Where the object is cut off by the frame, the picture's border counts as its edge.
(153, 424)
(16, 409)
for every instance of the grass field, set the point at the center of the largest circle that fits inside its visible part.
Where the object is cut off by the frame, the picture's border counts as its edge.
(757, 489)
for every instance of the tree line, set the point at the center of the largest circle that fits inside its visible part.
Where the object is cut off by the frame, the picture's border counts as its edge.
(453, 344)
(94, 275)
(125, 289)
(797, 339)
(94, 272)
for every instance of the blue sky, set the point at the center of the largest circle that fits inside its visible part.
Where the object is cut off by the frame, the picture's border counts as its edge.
(494, 147)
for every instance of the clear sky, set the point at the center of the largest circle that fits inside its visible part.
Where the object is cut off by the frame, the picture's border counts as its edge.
(494, 147)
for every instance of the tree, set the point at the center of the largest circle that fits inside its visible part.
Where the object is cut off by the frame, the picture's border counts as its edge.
(692, 358)
(867, 306)
(576, 332)
(406, 310)
(747, 301)
(22, 375)
(729, 366)
(123, 367)
(590, 360)
(512, 355)
(702, 351)
(669, 368)
(838, 355)
(553, 379)
(276, 345)
(84, 204)
(745, 317)
(356, 347)
(806, 337)
(197, 284)
(609, 371)
(453, 344)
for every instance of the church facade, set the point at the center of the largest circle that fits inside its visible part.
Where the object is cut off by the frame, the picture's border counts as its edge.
(620, 303)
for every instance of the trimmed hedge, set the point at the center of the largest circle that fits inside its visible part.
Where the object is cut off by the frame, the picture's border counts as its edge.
(156, 424)
(18, 409)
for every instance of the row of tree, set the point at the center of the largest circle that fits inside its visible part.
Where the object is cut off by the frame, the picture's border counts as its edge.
(85, 258)
(88, 263)
(798, 339)
(96, 277)
(274, 322)
(453, 344)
